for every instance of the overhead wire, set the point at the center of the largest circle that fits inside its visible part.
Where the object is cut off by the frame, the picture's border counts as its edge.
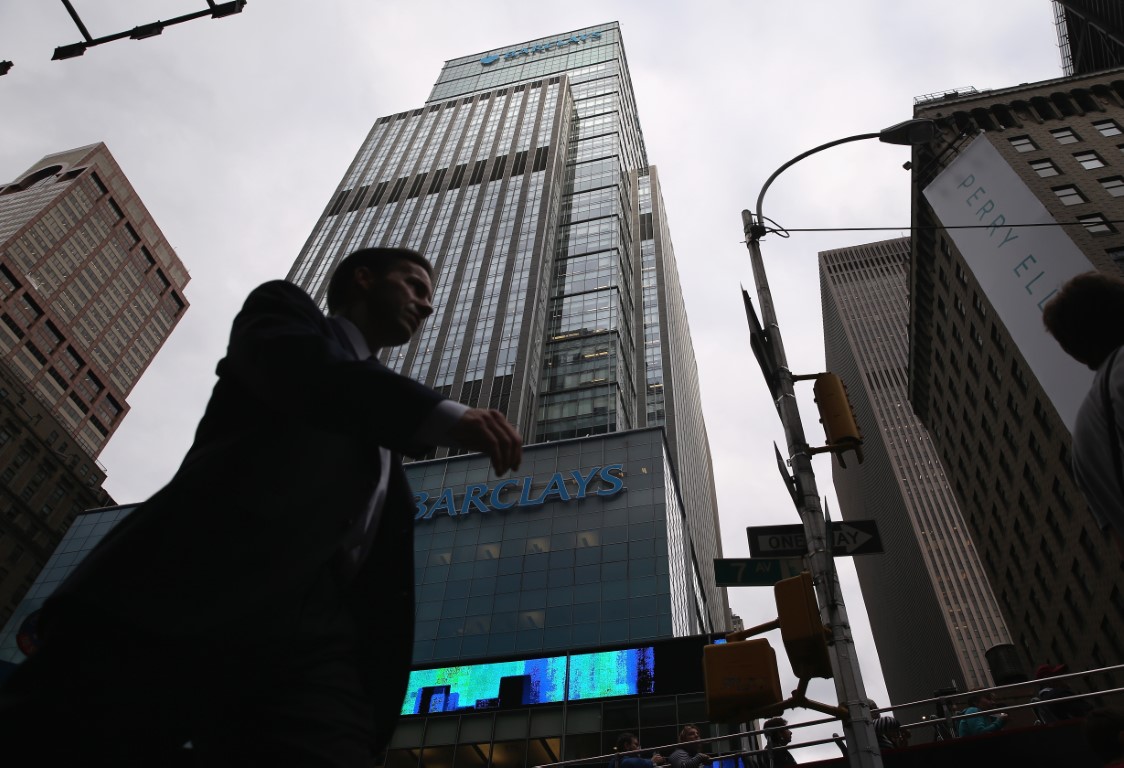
(786, 231)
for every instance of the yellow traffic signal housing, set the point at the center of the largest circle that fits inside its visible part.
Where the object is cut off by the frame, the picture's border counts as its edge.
(837, 416)
(742, 681)
(804, 635)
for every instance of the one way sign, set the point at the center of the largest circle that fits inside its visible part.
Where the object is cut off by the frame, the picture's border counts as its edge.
(853, 537)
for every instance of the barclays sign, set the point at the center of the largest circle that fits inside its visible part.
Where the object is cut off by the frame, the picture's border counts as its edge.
(530, 50)
(517, 492)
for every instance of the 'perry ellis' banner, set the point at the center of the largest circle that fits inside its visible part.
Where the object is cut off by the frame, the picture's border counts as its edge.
(1018, 268)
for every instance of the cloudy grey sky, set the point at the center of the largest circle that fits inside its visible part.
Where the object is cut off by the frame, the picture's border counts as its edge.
(236, 132)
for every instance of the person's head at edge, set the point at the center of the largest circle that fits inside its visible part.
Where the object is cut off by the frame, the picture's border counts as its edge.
(1104, 730)
(888, 727)
(777, 732)
(627, 742)
(386, 292)
(985, 700)
(1086, 317)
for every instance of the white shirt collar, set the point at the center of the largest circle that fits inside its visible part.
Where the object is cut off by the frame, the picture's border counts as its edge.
(358, 342)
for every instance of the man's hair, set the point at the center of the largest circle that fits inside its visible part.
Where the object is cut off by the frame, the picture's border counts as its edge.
(1086, 316)
(379, 260)
(1102, 730)
(624, 741)
(773, 727)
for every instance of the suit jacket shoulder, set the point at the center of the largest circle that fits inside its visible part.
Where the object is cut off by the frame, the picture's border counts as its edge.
(285, 363)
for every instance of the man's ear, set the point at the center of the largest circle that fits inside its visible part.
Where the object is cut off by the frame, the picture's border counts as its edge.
(364, 277)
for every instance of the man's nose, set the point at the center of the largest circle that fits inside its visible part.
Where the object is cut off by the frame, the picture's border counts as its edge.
(426, 307)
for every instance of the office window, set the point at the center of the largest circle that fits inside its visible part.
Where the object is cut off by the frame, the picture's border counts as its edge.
(1108, 127)
(1065, 135)
(1096, 224)
(1114, 185)
(1069, 195)
(1089, 160)
(1024, 144)
(1044, 168)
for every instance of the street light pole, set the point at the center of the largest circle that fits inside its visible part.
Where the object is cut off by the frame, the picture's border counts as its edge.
(862, 743)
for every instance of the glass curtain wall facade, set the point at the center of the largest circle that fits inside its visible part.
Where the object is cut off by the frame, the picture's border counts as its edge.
(524, 179)
(927, 594)
(589, 547)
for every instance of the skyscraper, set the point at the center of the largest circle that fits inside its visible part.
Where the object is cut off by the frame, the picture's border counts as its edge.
(1020, 190)
(927, 596)
(89, 291)
(524, 178)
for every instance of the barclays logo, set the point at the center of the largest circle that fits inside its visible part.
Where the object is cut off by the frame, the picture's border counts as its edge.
(518, 492)
(492, 58)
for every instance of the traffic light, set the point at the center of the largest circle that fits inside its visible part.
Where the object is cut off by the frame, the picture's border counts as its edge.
(804, 635)
(742, 681)
(837, 416)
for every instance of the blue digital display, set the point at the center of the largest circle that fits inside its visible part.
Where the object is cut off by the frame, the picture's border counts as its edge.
(612, 673)
(532, 681)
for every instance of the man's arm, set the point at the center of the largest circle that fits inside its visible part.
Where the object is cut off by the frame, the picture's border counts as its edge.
(974, 726)
(281, 350)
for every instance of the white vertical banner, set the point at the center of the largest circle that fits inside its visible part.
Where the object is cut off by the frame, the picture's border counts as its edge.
(1019, 268)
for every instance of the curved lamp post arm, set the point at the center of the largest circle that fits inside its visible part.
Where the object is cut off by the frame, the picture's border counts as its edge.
(797, 159)
(908, 133)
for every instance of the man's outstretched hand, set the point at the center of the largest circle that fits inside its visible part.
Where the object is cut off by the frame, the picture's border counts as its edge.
(488, 431)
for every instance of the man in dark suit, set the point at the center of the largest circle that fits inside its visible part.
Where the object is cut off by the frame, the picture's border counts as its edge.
(261, 605)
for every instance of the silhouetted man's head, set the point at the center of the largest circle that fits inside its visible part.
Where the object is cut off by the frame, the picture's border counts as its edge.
(777, 732)
(1086, 316)
(386, 292)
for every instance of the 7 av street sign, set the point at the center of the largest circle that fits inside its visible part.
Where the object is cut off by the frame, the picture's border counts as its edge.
(756, 571)
(853, 537)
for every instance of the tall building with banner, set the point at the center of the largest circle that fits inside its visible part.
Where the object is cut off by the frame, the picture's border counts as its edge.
(89, 291)
(927, 595)
(525, 180)
(1022, 189)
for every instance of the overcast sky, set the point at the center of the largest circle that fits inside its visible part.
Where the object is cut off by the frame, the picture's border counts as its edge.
(236, 132)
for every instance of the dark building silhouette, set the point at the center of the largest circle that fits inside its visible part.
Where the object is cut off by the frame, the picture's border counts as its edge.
(1090, 35)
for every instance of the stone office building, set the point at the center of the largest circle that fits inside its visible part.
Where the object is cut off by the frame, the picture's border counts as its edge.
(1023, 188)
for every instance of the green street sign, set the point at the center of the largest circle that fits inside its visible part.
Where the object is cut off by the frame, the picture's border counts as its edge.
(755, 571)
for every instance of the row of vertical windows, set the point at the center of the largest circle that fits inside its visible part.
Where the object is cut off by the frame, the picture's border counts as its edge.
(518, 167)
